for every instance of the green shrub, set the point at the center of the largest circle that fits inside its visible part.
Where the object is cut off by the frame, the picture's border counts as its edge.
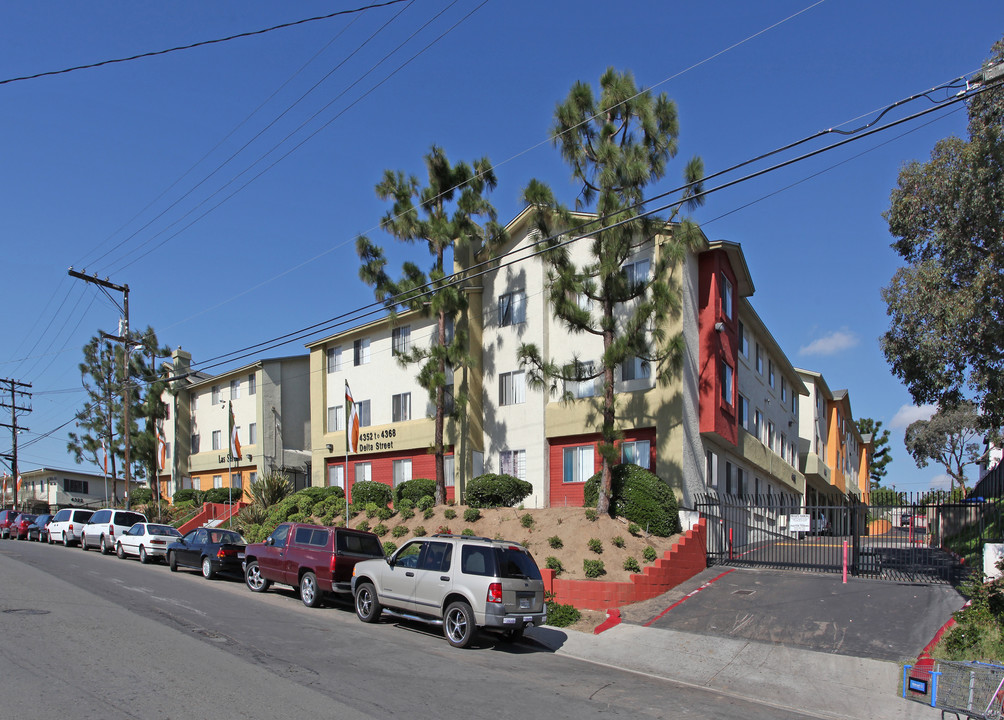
(384, 513)
(364, 526)
(428, 513)
(184, 505)
(380, 530)
(553, 563)
(467, 531)
(555, 542)
(371, 509)
(593, 568)
(420, 531)
(141, 496)
(631, 565)
(220, 495)
(526, 521)
(297, 517)
(404, 504)
(592, 515)
(426, 502)
(649, 554)
(389, 548)
(472, 515)
(188, 494)
(399, 531)
(617, 542)
(639, 496)
(326, 518)
(406, 513)
(634, 529)
(414, 490)
(369, 491)
(491, 490)
(595, 545)
(450, 514)
(559, 615)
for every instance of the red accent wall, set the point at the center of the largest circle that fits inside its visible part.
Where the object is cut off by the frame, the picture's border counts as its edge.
(423, 465)
(716, 415)
(687, 558)
(564, 494)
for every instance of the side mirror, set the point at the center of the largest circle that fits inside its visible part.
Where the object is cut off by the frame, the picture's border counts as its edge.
(270, 541)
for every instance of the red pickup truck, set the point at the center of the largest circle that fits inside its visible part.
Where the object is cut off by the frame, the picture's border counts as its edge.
(313, 558)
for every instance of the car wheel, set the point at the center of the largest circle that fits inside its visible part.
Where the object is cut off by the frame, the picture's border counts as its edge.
(512, 635)
(104, 545)
(119, 551)
(458, 625)
(253, 578)
(309, 592)
(83, 542)
(66, 540)
(367, 606)
(172, 561)
(207, 569)
(142, 555)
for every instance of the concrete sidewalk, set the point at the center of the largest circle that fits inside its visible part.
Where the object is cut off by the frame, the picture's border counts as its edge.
(824, 685)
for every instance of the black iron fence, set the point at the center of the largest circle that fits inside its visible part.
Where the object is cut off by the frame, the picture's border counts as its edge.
(924, 539)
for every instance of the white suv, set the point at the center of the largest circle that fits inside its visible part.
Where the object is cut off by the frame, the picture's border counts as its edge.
(106, 525)
(463, 583)
(67, 524)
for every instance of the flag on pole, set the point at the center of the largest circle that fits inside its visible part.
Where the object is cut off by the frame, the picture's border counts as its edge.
(3, 498)
(351, 422)
(161, 450)
(235, 443)
(104, 451)
(19, 482)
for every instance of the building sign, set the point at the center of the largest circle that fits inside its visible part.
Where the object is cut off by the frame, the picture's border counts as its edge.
(377, 440)
(799, 523)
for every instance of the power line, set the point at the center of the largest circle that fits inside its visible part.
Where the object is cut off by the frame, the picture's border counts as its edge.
(201, 43)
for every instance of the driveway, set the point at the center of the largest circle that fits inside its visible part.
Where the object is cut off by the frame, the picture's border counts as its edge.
(863, 618)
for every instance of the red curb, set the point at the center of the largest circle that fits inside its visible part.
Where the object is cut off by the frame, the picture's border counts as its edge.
(690, 594)
(613, 618)
(925, 663)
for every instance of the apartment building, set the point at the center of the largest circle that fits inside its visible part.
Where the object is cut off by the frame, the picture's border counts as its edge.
(65, 488)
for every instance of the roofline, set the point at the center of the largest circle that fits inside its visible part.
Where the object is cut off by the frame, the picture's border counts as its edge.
(257, 364)
(820, 380)
(364, 329)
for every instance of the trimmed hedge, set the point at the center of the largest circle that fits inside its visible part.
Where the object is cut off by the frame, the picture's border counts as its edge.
(188, 494)
(370, 491)
(141, 496)
(491, 490)
(639, 496)
(414, 490)
(221, 495)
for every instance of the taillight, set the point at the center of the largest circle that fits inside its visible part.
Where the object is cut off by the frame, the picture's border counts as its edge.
(227, 552)
(158, 542)
(495, 593)
(111, 530)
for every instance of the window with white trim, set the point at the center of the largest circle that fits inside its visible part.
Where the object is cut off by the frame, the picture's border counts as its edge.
(361, 351)
(336, 476)
(402, 471)
(726, 383)
(711, 469)
(513, 462)
(578, 463)
(336, 418)
(217, 437)
(235, 389)
(635, 368)
(744, 341)
(770, 372)
(759, 358)
(743, 411)
(637, 272)
(449, 470)
(217, 481)
(401, 407)
(364, 472)
(512, 308)
(401, 340)
(512, 388)
(216, 394)
(364, 413)
(252, 433)
(195, 442)
(252, 384)
(334, 356)
(726, 297)
(581, 388)
(637, 452)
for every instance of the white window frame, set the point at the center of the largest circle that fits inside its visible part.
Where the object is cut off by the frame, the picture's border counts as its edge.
(513, 462)
(333, 356)
(217, 481)
(365, 419)
(512, 308)
(638, 448)
(361, 352)
(512, 388)
(583, 388)
(252, 384)
(637, 272)
(216, 395)
(727, 297)
(400, 340)
(744, 341)
(336, 413)
(363, 472)
(401, 470)
(252, 433)
(336, 476)
(711, 469)
(235, 389)
(728, 373)
(217, 439)
(635, 368)
(743, 411)
(449, 470)
(578, 463)
(401, 407)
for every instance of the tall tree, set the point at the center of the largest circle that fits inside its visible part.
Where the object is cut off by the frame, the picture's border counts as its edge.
(617, 144)
(450, 213)
(881, 452)
(101, 418)
(946, 333)
(952, 438)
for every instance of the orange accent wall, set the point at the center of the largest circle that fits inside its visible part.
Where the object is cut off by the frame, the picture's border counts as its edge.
(423, 465)
(564, 494)
(687, 558)
(715, 414)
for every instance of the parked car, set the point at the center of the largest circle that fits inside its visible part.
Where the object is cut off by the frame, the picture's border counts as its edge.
(6, 518)
(105, 526)
(905, 519)
(147, 541)
(214, 550)
(821, 525)
(39, 530)
(67, 525)
(466, 583)
(312, 558)
(19, 527)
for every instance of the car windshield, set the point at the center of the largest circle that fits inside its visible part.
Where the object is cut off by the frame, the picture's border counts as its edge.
(162, 530)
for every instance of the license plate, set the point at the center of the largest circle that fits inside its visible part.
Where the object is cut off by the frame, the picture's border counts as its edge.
(240, 556)
(524, 603)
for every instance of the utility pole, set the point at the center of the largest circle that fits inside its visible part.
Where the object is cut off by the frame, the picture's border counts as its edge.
(126, 346)
(15, 428)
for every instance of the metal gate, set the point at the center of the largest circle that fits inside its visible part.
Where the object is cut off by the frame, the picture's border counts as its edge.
(904, 543)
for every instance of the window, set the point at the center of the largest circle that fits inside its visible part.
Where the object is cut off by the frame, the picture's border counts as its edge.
(794, 404)
(512, 308)
(74, 486)
(167, 450)
(759, 359)
(401, 340)
(252, 477)
(770, 435)
(637, 452)
(784, 390)
(252, 384)
(216, 394)
(513, 462)
(167, 411)
(581, 388)
(334, 356)
(195, 442)
(401, 407)
(449, 470)
(743, 412)
(336, 418)
(770, 372)
(578, 463)
(336, 476)
(217, 436)
(744, 342)
(364, 472)
(726, 297)
(449, 403)
(402, 471)
(740, 482)
(711, 469)
(637, 272)
(361, 351)
(364, 413)
(235, 480)
(195, 403)
(784, 449)
(726, 383)
(758, 427)
(728, 478)
(235, 389)
(512, 388)
(217, 481)
(634, 368)
(252, 433)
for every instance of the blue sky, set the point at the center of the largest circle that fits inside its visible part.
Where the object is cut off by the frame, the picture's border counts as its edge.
(112, 169)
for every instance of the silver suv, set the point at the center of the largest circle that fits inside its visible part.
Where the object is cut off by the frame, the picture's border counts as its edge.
(461, 582)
